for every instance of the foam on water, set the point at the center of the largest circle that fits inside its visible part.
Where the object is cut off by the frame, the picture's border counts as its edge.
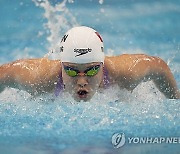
(48, 119)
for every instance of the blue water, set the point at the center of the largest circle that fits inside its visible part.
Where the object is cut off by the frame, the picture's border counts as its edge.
(30, 29)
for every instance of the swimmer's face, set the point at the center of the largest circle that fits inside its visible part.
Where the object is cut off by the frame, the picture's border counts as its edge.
(82, 80)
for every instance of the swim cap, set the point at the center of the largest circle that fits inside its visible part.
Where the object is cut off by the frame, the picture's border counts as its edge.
(81, 45)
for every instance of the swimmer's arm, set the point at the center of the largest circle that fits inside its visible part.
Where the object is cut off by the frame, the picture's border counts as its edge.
(164, 79)
(153, 68)
(30, 74)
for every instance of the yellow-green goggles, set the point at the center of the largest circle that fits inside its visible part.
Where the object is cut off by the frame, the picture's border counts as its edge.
(88, 72)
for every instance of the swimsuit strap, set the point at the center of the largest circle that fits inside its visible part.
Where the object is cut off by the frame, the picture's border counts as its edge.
(60, 86)
(106, 79)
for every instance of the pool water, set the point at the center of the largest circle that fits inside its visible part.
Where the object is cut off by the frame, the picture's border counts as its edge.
(49, 124)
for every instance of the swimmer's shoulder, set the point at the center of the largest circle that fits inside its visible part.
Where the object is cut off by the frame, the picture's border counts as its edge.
(38, 69)
(40, 64)
(119, 65)
(124, 59)
(120, 61)
(31, 74)
(49, 67)
(116, 65)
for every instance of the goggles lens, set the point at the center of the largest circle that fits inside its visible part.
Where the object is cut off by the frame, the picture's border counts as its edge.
(71, 72)
(89, 72)
(92, 71)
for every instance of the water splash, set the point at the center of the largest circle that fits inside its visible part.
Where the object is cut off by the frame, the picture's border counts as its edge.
(54, 120)
(59, 20)
(101, 1)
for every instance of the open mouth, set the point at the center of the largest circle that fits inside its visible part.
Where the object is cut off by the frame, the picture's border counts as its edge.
(82, 93)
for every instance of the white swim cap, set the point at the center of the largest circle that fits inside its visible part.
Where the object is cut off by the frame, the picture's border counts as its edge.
(81, 45)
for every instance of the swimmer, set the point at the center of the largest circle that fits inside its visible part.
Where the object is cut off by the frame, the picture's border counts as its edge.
(82, 69)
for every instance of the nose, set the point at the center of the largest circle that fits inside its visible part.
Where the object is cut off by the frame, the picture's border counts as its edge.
(82, 82)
